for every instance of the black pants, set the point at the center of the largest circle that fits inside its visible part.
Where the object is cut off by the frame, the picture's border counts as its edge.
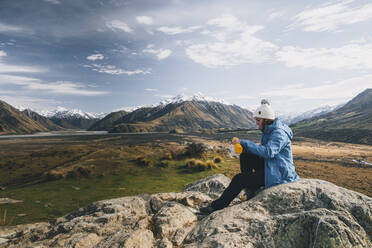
(251, 178)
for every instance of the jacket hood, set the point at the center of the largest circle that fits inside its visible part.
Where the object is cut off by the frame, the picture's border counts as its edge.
(279, 125)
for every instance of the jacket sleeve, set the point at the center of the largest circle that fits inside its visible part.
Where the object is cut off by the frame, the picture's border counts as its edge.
(275, 144)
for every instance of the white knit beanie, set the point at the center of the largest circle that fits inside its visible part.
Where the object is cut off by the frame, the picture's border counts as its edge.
(264, 111)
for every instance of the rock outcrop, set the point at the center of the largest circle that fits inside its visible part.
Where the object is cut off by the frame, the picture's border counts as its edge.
(307, 213)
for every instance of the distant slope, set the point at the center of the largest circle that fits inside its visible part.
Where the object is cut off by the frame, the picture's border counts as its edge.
(74, 122)
(291, 119)
(13, 121)
(186, 115)
(350, 123)
(108, 121)
(42, 120)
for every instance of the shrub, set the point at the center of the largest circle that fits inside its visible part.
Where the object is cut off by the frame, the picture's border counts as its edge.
(163, 163)
(217, 159)
(53, 175)
(144, 161)
(195, 149)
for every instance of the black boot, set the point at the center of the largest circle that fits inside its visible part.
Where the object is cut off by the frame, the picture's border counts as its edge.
(207, 210)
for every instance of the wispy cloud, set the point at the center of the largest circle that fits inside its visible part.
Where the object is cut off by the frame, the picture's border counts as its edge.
(96, 56)
(59, 87)
(328, 90)
(113, 70)
(10, 28)
(228, 51)
(144, 20)
(274, 15)
(332, 16)
(350, 56)
(160, 53)
(119, 25)
(22, 102)
(53, 1)
(152, 90)
(6, 68)
(178, 30)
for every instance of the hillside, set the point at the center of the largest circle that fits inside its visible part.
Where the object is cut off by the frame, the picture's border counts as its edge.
(42, 120)
(108, 121)
(186, 115)
(350, 123)
(14, 121)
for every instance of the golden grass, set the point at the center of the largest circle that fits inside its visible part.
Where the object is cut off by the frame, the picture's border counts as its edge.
(4, 220)
(333, 162)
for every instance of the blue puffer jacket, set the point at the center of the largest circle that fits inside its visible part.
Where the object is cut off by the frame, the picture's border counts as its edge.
(276, 150)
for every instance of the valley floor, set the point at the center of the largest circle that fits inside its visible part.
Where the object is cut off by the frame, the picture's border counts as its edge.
(56, 175)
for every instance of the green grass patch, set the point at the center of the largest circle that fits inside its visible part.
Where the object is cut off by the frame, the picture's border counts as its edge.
(49, 200)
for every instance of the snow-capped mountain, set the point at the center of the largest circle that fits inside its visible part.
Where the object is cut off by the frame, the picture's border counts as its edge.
(63, 113)
(197, 97)
(295, 117)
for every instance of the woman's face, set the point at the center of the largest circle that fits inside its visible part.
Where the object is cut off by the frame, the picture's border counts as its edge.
(259, 123)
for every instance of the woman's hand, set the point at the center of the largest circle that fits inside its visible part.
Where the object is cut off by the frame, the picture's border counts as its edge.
(235, 140)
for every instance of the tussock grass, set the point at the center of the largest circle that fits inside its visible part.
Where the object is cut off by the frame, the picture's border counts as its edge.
(200, 165)
(4, 220)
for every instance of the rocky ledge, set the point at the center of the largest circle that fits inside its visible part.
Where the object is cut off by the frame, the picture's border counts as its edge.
(308, 213)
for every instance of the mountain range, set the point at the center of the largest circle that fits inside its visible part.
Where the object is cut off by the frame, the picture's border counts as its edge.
(351, 122)
(186, 113)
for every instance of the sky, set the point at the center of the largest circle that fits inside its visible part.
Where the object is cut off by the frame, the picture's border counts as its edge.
(102, 55)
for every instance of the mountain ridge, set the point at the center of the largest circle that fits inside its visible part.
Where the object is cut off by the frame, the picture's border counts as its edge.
(350, 123)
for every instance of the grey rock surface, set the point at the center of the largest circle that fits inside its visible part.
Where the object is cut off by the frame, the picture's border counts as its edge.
(308, 213)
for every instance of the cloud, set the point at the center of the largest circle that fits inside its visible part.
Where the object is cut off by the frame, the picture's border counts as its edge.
(53, 1)
(350, 56)
(113, 70)
(160, 53)
(119, 25)
(96, 56)
(144, 20)
(59, 87)
(5, 68)
(22, 102)
(328, 90)
(275, 15)
(10, 28)
(149, 89)
(332, 16)
(178, 30)
(235, 44)
(231, 23)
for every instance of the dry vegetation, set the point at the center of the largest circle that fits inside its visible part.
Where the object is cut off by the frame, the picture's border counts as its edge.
(339, 163)
(54, 176)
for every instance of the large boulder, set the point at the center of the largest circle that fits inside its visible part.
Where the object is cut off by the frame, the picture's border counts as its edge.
(307, 213)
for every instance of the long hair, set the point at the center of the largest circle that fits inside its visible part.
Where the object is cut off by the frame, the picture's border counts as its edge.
(267, 122)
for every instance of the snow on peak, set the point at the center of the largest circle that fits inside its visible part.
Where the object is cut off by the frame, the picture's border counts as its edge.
(128, 109)
(198, 97)
(61, 113)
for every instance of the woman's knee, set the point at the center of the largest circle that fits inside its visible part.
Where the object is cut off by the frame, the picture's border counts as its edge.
(239, 178)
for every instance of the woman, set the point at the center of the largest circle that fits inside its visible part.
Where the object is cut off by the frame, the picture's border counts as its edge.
(272, 161)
